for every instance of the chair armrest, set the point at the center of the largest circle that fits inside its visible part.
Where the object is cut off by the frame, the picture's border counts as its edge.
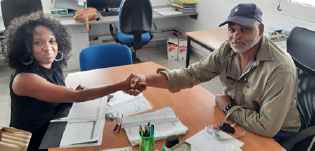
(289, 142)
(113, 29)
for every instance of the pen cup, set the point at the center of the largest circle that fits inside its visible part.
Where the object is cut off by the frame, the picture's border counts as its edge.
(146, 143)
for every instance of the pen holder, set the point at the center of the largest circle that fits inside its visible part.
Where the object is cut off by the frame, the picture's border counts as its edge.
(146, 143)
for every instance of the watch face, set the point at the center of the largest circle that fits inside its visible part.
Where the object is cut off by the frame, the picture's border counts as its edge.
(227, 108)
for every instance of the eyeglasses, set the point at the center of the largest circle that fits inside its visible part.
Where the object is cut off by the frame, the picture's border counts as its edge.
(244, 79)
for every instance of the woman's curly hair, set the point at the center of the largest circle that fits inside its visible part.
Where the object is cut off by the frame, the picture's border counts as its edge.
(19, 39)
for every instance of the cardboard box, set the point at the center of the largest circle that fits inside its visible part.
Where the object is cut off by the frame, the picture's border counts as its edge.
(172, 51)
(172, 47)
(182, 49)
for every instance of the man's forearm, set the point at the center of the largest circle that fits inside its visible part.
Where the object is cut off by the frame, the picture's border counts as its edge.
(157, 80)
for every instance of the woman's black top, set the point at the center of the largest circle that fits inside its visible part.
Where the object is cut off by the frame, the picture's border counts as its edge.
(31, 114)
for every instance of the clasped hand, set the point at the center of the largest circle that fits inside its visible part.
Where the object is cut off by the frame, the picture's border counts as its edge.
(137, 84)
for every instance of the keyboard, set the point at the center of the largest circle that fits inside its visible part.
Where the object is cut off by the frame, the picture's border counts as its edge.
(109, 13)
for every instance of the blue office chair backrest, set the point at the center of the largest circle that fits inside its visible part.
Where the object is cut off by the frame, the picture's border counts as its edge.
(135, 18)
(16, 8)
(135, 15)
(104, 55)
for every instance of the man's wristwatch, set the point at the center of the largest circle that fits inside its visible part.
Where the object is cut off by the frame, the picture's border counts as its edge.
(228, 107)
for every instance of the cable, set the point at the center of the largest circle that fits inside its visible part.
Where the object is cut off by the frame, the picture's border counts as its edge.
(278, 8)
(311, 144)
(217, 136)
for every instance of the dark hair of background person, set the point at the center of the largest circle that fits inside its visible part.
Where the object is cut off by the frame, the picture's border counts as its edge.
(19, 39)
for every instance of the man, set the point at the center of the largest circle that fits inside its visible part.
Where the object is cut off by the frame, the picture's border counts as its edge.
(259, 80)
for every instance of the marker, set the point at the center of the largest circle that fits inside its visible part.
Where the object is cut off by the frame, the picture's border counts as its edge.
(152, 129)
(109, 96)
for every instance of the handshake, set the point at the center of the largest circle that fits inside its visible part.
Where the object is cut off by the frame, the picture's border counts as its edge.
(136, 84)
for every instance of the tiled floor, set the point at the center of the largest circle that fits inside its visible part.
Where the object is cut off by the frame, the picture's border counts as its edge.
(155, 53)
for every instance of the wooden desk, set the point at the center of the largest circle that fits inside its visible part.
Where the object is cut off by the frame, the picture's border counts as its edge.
(209, 39)
(195, 108)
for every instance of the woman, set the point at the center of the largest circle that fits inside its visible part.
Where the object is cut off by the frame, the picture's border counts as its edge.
(38, 47)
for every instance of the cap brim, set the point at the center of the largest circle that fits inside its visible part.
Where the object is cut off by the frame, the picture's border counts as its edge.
(239, 20)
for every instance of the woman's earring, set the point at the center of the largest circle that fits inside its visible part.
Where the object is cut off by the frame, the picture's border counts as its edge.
(27, 60)
(60, 54)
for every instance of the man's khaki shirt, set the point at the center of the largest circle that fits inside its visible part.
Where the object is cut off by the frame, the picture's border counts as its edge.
(264, 93)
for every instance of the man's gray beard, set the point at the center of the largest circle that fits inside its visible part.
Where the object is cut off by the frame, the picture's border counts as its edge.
(246, 48)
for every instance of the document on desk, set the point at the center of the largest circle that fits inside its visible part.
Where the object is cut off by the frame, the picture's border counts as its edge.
(204, 141)
(167, 11)
(85, 124)
(119, 149)
(121, 103)
(165, 123)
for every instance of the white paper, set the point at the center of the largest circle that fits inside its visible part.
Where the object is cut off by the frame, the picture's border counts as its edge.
(85, 125)
(119, 149)
(167, 11)
(161, 130)
(133, 105)
(76, 133)
(85, 109)
(118, 98)
(204, 141)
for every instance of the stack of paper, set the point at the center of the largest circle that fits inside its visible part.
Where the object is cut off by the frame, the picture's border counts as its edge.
(204, 140)
(185, 6)
(119, 149)
(121, 103)
(184, 9)
(165, 124)
(185, 2)
(85, 124)
(167, 11)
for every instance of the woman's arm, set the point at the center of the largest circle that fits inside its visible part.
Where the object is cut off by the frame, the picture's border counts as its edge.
(32, 85)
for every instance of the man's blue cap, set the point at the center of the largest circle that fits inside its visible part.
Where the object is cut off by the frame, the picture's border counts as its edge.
(244, 14)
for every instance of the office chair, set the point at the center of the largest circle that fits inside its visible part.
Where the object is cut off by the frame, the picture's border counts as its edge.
(104, 55)
(301, 46)
(16, 8)
(135, 22)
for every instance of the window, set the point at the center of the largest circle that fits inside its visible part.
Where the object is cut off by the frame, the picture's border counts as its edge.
(304, 2)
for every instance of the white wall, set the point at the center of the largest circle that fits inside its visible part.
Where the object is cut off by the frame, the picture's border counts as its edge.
(214, 12)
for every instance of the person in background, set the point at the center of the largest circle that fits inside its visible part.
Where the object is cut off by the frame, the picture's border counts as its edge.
(259, 80)
(38, 46)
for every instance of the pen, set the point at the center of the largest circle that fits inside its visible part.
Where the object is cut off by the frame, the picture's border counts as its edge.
(145, 130)
(152, 129)
(109, 96)
(141, 133)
